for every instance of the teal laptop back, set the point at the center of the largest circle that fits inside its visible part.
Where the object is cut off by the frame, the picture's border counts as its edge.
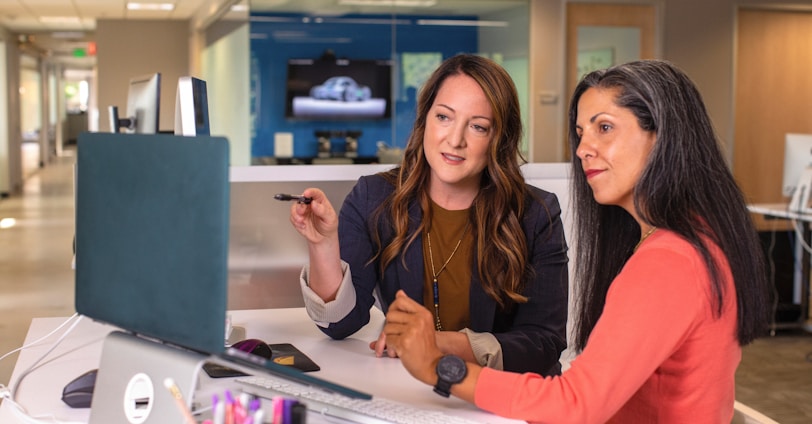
(152, 218)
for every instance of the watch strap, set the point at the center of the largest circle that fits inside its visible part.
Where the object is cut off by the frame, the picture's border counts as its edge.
(442, 388)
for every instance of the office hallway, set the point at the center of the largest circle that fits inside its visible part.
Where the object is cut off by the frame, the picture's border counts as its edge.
(36, 280)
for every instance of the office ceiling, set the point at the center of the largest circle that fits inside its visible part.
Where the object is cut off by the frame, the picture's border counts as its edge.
(57, 28)
(34, 16)
(31, 16)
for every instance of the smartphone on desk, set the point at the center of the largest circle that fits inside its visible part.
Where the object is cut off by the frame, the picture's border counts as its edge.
(281, 353)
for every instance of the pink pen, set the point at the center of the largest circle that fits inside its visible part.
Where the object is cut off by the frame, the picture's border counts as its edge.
(278, 410)
(229, 407)
(239, 413)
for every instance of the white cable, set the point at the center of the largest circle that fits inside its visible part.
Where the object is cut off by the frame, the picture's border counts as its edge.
(23, 415)
(16, 384)
(771, 264)
(797, 226)
(10, 395)
(35, 342)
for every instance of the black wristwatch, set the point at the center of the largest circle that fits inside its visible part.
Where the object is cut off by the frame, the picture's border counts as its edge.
(450, 371)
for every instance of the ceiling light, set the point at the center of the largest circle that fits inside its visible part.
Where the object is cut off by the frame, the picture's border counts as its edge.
(68, 34)
(460, 22)
(7, 222)
(59, 19)
(396, 3)
(150, 6)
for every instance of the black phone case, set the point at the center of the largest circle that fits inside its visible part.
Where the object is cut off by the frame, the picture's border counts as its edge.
(281, 353)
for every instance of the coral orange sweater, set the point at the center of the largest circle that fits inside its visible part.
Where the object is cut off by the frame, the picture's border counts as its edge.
(658, 354)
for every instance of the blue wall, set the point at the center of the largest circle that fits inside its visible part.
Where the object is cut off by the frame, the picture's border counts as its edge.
(275, 38)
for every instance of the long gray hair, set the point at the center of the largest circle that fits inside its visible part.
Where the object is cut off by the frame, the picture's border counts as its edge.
(686, 187)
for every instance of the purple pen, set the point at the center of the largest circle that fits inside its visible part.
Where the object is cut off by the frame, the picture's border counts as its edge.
(254, 405)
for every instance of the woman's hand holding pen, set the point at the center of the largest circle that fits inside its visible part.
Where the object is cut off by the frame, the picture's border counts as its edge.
(317, 221)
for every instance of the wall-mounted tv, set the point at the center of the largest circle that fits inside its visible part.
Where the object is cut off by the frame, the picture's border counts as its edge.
(338, 89)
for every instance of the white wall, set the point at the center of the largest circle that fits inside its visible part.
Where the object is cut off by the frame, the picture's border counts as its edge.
(547, 99)
(4, 132)
(225, 66)
(131, 48)
(11, 174)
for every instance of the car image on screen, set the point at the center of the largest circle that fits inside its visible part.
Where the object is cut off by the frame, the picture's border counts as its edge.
(341, 88)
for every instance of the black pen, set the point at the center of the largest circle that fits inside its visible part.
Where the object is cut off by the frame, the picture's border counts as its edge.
(287, 197)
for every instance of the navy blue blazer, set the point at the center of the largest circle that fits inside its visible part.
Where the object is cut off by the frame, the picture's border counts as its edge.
(532, 335)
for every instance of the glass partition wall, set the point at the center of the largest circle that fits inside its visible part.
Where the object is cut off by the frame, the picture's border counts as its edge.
(335, 81)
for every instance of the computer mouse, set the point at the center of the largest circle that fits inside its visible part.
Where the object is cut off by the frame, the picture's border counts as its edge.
(79, 392)
(254, 346)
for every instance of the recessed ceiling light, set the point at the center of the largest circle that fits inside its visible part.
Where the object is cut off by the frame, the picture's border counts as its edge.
(68, 34)
(461, 22)
(150, 6)
(7, 222)
(396, 3)
(59, 19)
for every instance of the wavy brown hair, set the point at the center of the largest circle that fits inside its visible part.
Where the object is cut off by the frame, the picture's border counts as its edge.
(497, 211)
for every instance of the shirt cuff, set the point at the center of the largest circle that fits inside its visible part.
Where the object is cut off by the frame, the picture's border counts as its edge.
(487, 350)
(324, 313)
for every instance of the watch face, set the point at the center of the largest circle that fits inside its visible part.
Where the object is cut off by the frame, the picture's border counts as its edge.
(452, 369)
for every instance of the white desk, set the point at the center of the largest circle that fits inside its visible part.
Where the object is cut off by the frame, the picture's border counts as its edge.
(802, 257)
(349, 362)
(778, 210)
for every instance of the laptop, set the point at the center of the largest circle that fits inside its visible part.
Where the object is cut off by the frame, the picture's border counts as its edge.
(152, 231)
(152, 235)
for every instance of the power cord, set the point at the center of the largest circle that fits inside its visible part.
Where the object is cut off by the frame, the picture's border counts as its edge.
(799, 232)
(9, 394)
(771, 263)
(39, 340)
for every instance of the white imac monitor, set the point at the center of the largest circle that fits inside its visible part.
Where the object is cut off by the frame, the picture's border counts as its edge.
(191, 107)
(797, 178)
(143, 107)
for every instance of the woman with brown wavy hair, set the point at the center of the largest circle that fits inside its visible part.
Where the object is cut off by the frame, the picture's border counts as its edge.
(455, 226)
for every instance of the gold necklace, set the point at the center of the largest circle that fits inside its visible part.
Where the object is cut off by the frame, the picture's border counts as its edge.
(434, 285)
(645, 236)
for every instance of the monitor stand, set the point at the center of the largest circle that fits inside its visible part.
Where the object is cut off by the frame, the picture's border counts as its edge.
(130, 382)
(801, 196)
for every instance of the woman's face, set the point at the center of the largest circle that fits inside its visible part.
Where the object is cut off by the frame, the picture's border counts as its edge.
(613, 147)
(459, 129)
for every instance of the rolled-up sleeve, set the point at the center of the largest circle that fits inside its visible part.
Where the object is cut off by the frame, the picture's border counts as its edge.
(321, 312)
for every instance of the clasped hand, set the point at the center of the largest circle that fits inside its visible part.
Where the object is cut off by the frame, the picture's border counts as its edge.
(409, 334)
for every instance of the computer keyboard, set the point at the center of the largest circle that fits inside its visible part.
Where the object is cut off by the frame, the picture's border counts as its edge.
(374, 411)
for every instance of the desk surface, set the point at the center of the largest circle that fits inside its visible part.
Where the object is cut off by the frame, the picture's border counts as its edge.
(349, 362)
(778, 210)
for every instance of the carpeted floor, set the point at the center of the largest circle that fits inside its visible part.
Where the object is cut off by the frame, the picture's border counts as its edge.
(775, 377)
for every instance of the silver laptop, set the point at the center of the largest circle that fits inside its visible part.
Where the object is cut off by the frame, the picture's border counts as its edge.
(151, 259)
(152, 231)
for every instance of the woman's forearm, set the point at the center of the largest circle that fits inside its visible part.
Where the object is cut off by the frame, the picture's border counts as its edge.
(325, 268)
